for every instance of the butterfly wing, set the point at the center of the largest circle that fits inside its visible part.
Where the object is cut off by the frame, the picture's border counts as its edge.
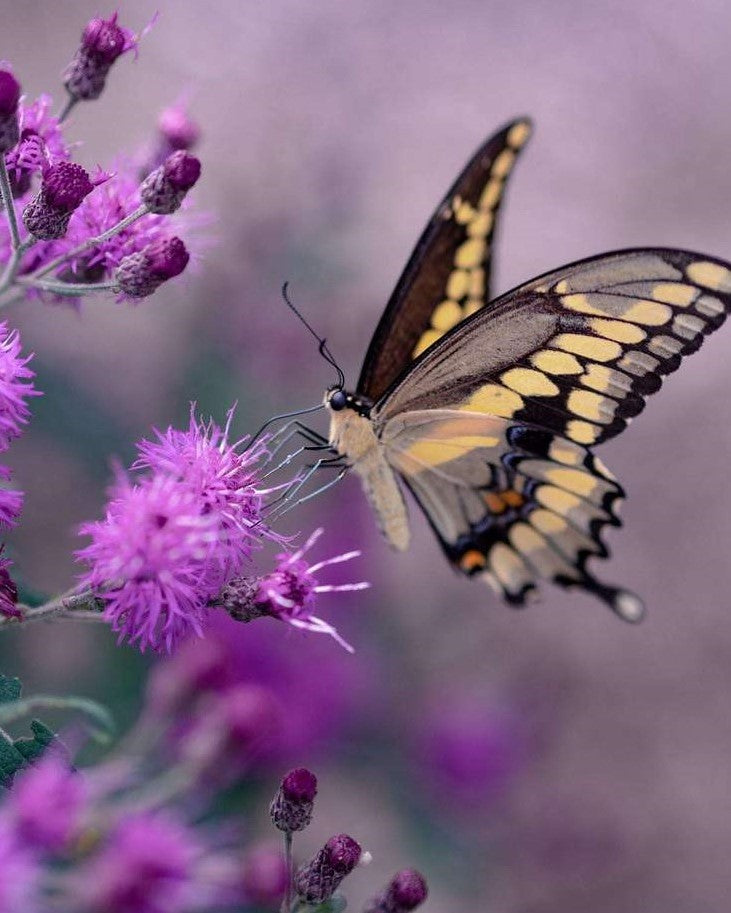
(448, 275)
(491, 427)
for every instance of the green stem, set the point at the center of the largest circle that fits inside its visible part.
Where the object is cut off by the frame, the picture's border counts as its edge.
(13, 264)
(9, 204)
(67, 108)
(287, 904)
(69, 289)
(68, 606)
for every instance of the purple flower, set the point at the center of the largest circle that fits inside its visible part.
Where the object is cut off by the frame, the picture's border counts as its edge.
(15, 386)
(46, 803)
(405, 892)
(289, 593)
(316, 881)
(63, 188)
(102, 42)
(9, 98)
(8, 590)
(264, 878)
(20, 870)
(152, 560)
(41, 143)
(176, 128)
(147, 865)
(291, 808)
(165, 188)
(141, 274)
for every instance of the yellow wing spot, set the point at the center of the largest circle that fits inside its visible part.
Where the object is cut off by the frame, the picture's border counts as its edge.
(709, 306)
(648, 313)
(502, 164)
(494, 399)
(427, 338)
(477, 283)
(674, 293)
(556, 499)
(480, 226)
(560, 288)
(519, 134)
(710, 275)
(446, 315)
(554, 362)
(638, 363)
(547, 522)
(529, 382)
(472, 560)
(458, 284)
(582, 432)
(508, 567)
(564, 452)
(573, 480)
(665, 346)
(472, 305)
(464, 212)
(618, 330)
(588, 346)
(491, 194)
(687, 326)
(470, 254)
(434, 453)
(605, 380)
(592, 406)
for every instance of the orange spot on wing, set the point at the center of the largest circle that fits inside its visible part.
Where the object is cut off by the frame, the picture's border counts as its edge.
(472, 560)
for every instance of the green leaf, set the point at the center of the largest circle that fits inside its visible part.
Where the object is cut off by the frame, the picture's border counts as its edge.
(31, 749)
(336, 904)
(10, 689)
(11, 760)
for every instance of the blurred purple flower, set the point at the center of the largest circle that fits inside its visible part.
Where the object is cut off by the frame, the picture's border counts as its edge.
(8, 589)
(177, 129)
(146, 865)
(11, 501)
(317, 880)
(102, 42)
(405, 892)
(264, 878)
(46, 804)
(20, 878)
(15, 386)
(9, 98)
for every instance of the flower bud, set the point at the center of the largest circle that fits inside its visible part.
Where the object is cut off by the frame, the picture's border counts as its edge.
(63, 188)
(406, 891)
(165, 188)
(9, 98)
(102, 42)
(291, 808)
(238, 599)
(317, 880)
(141, 274)
(177, 130)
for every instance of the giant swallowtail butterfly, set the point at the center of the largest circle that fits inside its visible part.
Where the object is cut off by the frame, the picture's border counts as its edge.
(489, 410)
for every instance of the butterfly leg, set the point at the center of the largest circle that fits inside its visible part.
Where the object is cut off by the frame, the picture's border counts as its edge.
(312, 494)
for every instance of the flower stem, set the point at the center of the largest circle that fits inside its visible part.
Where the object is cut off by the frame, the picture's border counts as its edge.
(9, 204)
(67, 108)
(287, 903)
(92, 242)
(13, 264)
(69, 289)
(68, 606)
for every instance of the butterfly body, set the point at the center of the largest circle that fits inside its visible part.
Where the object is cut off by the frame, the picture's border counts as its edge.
(488, 410)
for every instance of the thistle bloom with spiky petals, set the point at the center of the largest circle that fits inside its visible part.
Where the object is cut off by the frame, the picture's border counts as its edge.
(405, 892)
(289, 593)
(15, 386)
(11, 501)
(41, 142)
(102, 42)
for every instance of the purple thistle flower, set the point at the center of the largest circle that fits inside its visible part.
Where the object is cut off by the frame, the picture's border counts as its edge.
(11, 501)
(102, 42)
(147, 865)
(291, 808)
(41, 143)
(264, 878)
(46, 804)
(20, 870)
(165, 188)
(139, 275)
(8, 590)
(405, 892)
(63, 188)
(316, 881)
(15, 387)
(9, 98)
(289, 593)
(151, 560)
(176, 128)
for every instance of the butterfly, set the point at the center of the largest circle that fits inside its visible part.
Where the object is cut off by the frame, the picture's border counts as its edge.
(488, 411)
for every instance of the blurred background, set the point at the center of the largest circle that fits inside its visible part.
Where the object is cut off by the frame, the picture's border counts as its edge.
(534, 762)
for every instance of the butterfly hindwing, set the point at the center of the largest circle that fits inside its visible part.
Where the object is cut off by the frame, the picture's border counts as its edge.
(448, 275)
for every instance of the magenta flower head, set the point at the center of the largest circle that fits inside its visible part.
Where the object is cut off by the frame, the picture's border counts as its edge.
(41, 142)
(291, 808)
(9, 98)
(141, 274)
(264, 879)
(11, 502)
(21, 873)
(289, 593)
(8, 589)
(165, 188)
(177, 129)
(46, 804)
(102, 42)
(15, 386)
(316, 881)
(63, 188)
(147, 865)
(405, 892)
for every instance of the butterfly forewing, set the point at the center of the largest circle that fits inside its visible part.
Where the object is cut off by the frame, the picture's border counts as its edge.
(448, 275)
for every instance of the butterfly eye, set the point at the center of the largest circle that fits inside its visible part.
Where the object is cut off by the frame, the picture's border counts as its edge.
(338, 401)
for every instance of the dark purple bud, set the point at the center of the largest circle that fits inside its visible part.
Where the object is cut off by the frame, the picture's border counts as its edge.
(9, 98)
(291, 808)
(406, 891)
(317, 880)
(140, 274)
(164, 189)
(63, 188)
(177, 129)
(8, 592)
(102, 42)
(264, 876)
(238, 598)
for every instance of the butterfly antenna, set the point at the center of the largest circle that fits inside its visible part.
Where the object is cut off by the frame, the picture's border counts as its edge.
(322, 347)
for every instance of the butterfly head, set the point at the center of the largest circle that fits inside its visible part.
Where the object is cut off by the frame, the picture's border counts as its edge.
(337, 399)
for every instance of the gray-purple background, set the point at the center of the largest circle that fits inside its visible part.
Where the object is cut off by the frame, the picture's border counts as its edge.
(330, 131)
